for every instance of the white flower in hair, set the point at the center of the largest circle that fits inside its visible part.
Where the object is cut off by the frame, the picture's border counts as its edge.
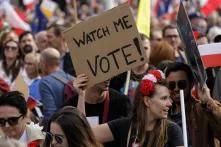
(150, 77)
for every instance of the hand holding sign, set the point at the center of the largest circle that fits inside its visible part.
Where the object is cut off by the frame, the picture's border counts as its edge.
(106, 45)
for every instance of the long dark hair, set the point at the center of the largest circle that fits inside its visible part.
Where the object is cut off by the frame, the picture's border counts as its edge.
(18, 63)
(158, 136)
(75, 127)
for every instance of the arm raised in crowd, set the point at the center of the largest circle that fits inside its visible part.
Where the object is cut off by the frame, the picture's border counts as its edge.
(212, 110)
(80, 83)
(211, 106)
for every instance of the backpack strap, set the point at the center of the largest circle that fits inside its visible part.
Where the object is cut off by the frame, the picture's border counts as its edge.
(60, 78)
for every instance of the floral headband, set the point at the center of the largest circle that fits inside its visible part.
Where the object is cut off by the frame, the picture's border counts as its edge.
(147, 84)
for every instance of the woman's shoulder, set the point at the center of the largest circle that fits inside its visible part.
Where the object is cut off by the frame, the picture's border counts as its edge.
(125, 121)
(172, 126)
(174, 134)
(120, 125)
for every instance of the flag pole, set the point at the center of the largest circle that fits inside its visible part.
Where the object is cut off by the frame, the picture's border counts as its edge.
(127, 82)
(183, 112)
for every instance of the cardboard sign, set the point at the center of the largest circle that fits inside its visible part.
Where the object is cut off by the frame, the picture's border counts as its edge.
(20, 85)
(105, 45)
(191, 50)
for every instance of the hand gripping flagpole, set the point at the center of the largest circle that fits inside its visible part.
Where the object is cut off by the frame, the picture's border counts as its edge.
(183, 112)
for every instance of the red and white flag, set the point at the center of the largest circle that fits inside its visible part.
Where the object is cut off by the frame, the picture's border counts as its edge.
(210, 54)
(208, 6)
(29, 4)
(12, 17)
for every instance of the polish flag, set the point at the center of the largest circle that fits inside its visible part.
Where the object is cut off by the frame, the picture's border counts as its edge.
(208, 6)
(210, 54)
(12, 16)
(29, 4)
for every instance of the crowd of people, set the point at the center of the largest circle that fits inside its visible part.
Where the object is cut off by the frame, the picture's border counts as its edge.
(61, 111)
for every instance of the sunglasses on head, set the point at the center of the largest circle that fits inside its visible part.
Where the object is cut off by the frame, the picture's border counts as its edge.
(12, 121)
(181, 84)
(58, 137)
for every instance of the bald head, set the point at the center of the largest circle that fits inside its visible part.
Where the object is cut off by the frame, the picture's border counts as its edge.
(50, 56)
(42, 40)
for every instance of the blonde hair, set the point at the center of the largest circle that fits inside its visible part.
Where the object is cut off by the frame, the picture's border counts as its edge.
(35, 57)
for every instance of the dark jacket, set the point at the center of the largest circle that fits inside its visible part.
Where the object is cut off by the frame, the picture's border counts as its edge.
(203, 123)
(68, 65)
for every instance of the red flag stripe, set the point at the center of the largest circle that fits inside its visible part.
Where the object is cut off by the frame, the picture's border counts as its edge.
(211, 60)
(130, 2)
(210, 6)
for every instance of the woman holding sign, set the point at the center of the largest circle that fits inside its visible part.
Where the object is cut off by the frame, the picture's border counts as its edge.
(148, 125)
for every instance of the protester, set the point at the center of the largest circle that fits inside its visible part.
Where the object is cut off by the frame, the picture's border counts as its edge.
(51, 85)
(99, 102)
(32, 69)
(11, 64)
(155, 36)
(171, 35)
(41, 40)
(103, 102)
(27, 42)
(32, 77)
(6, 36)
(13, 121)
(148, 125)
(56, 40)
(203, 119)
(198, 21)
(69, 128)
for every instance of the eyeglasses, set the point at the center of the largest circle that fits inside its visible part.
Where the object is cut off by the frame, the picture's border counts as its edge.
(171, 36)
(13, 48)
(182, 84)
(58, 137)
(12, 121)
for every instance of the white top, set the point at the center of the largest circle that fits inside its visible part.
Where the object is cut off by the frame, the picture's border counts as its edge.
(24, 138)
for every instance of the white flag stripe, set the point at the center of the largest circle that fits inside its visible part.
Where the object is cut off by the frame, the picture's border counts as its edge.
(12, 17)
(210, 49)
(27, 2)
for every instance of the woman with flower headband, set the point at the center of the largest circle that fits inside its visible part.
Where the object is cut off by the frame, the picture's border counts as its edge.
(148, 126)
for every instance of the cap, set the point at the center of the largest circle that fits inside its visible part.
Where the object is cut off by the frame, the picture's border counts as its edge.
(214, 34)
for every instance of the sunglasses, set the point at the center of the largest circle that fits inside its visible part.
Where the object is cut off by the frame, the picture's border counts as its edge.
(13, 48)
(12, 121)
(181, 84)
(58, 137)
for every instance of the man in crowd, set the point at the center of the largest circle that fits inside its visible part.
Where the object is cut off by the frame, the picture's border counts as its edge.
(57, 41)
(171, 35)
(203, 115)
(27, 42)
(41, 40)
(51, 85)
